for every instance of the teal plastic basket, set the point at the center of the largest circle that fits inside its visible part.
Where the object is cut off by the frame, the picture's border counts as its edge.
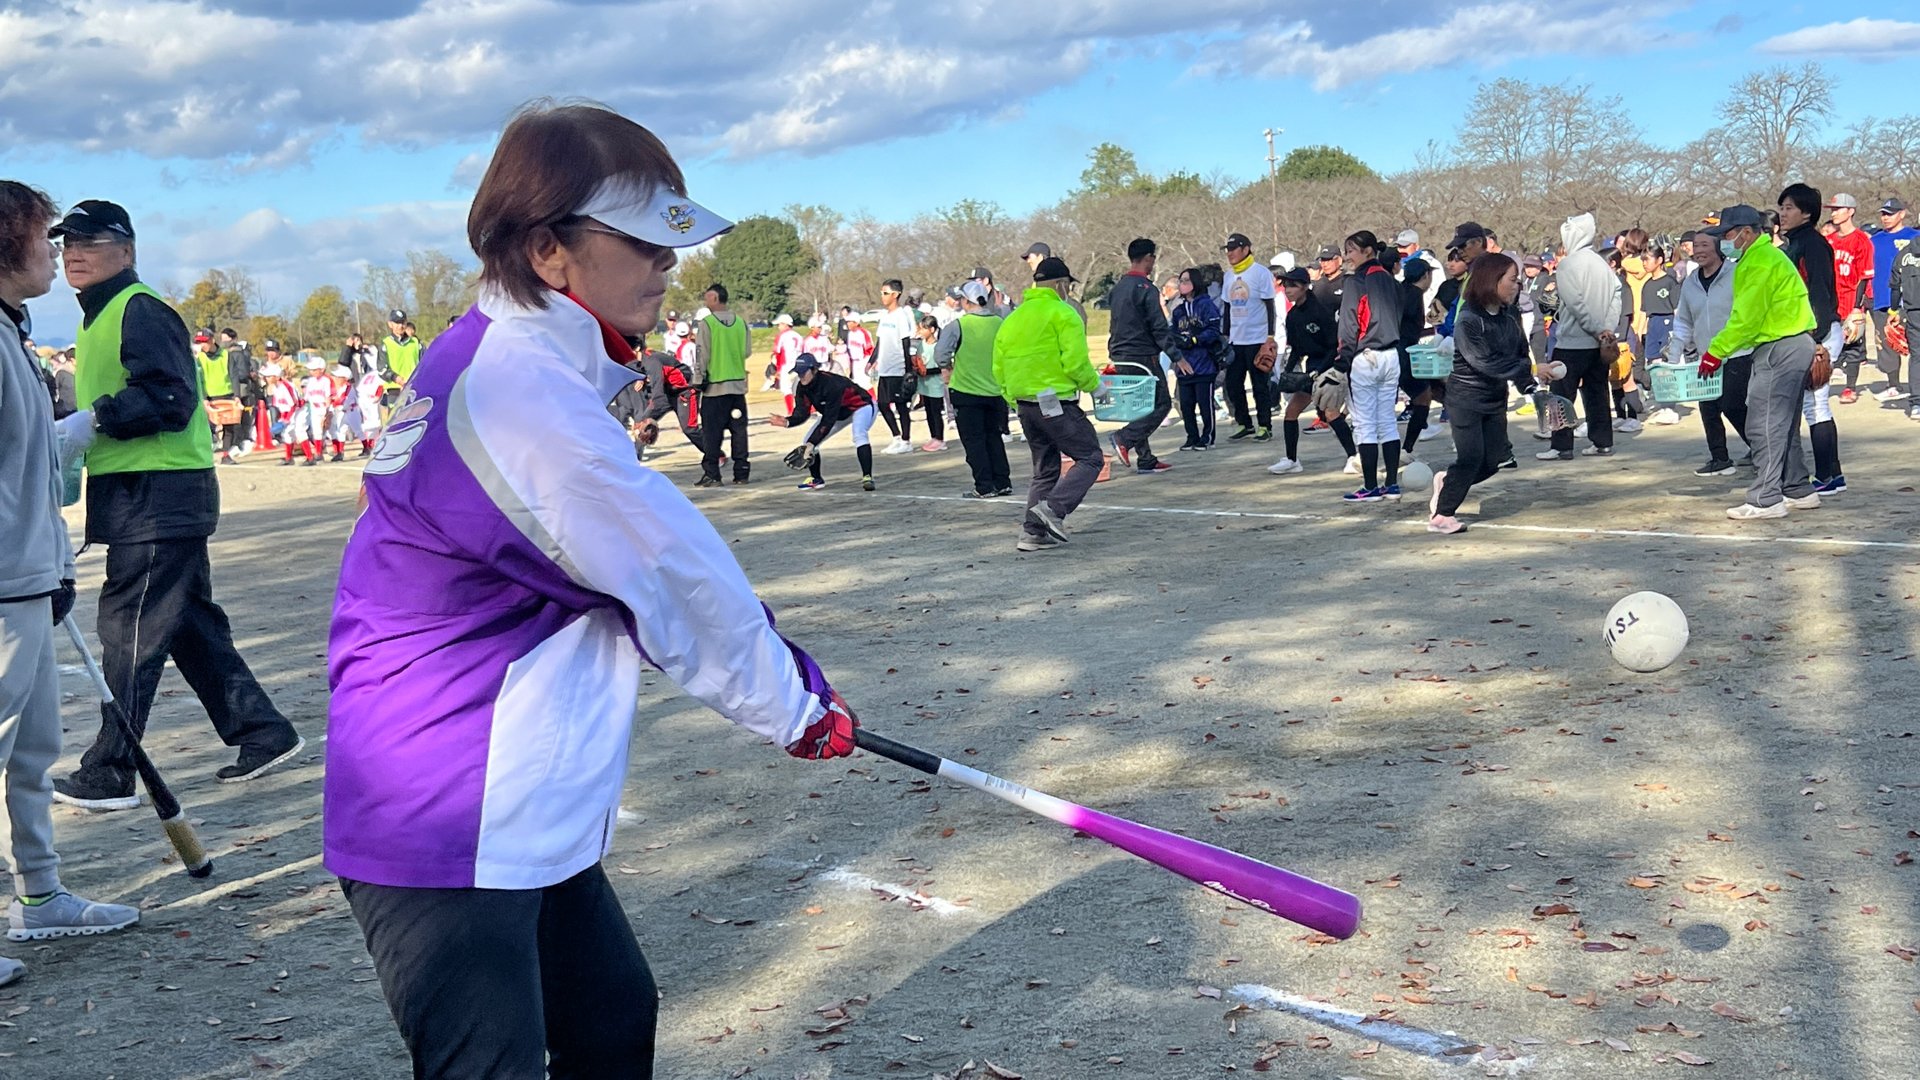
(1123, 397)
(1428, 363)
(1682, 382)
(70, 480)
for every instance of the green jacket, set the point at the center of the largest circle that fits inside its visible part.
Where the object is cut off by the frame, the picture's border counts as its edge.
(1769, 302)
(1042, 345)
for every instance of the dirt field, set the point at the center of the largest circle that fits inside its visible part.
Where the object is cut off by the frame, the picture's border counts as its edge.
(1574, 870)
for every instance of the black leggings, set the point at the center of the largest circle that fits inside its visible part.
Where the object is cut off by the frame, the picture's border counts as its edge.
(1480, 444)
(892, 403)
(512, 984)
(936, 409)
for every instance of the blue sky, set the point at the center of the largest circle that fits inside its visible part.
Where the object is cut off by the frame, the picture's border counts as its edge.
(307, 139)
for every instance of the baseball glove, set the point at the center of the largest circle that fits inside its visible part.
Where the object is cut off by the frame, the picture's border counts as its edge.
(800, 456)
(1330, 393)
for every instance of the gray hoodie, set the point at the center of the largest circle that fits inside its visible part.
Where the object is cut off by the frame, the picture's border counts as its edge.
(35, 552)
(1589, 290)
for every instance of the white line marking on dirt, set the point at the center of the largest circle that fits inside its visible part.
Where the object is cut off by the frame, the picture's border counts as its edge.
(226, 887)
(853, 879)
(1555, 530)
(1444, 1047)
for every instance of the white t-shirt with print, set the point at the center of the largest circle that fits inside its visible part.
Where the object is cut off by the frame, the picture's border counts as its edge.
(1243, 293)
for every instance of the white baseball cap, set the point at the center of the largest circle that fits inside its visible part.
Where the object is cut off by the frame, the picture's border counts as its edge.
(682, 329)
(340, 372)
(783, 319)
(1407, 238)
(316, 364)
(270, 371)
(656, 214)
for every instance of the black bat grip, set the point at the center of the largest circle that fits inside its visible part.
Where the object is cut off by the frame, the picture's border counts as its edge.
(911, 756)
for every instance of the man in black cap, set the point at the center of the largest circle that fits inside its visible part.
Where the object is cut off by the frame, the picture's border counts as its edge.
(1332, 280)
(152, 499)
(1137, 339)
(1035, 254)
(244, 383)
(400, 352)
(1248, 322)
(997, 301)
(1890, 244)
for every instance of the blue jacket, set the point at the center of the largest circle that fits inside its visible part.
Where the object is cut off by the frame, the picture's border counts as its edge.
(1196, 327)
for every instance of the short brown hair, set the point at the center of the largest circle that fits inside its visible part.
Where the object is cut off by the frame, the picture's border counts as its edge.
(1483, 281)
(551, 158)
(25, 213)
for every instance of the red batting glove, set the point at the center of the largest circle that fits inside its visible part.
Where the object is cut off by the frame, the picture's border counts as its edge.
(830, 736)
(1709, 364)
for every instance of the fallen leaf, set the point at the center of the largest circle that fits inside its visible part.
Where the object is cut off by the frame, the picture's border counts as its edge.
(1620, 1045)
(1721, 1008)
(1002, 1074)
(1685, 1058)
(1643, 883)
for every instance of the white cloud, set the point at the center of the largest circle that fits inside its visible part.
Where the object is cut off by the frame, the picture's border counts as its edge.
(1481, 36)
(1859, 39)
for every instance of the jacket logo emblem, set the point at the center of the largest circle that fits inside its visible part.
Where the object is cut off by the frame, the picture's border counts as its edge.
(403, 432)
(678, 218)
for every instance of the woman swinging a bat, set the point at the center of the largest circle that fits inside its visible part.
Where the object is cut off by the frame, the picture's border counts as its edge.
(840, 403)
(514, 570)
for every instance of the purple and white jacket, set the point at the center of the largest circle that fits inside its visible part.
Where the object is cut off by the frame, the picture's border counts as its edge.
(513, 570)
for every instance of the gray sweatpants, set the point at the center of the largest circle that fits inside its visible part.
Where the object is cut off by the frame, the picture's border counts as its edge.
(1072, 434)
(29, 741)
(1780, 370)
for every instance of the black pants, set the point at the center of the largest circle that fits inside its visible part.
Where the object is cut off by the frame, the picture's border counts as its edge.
(1853, 354)
(981, 421)
(512, 984)
(723, 415)
(1240, 372)
(158, 602)
(1731, 405)
(1587, 377)
(1136, 435)
(1480, 444)
(892, 402)
(1196, 410)
(936, 409)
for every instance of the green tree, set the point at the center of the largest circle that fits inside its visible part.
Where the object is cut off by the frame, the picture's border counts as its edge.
(1111, 170)
(431, 287)
(691, 278)
(324, 320)
(268, 326)
(758, 262)
(221, 298)
(1322, 163)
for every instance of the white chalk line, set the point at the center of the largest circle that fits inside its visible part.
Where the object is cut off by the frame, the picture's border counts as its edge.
(853, 879)
(228, 887)
(1442, 1047)
(1553, 530)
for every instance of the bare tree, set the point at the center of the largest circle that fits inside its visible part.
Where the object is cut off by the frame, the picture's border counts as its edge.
(1770, 119)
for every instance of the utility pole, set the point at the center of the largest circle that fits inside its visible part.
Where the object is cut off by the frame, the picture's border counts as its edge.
(1273, 188)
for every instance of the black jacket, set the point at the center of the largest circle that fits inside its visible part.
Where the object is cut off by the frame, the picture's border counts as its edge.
(1488, 352)
(834, 397)
(1413, 314)
(1310, 335)
(240, 373)
(1369, 313)
(163, 388)
(1813, 257)
(1140, 332)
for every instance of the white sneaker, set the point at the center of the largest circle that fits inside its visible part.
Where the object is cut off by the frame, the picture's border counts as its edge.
(1890, 394)
(898, 446)
(1554, 455)
(1804, 502)
(1629, 425)
(66, 915)
(1749, 512)
(1284, 466)
(1353, 465)
(1579, 432)
(1664, 417)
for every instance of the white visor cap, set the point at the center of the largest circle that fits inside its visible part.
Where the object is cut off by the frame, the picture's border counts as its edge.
(657, 214)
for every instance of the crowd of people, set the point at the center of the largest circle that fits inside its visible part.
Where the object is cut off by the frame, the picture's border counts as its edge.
(1596, 323)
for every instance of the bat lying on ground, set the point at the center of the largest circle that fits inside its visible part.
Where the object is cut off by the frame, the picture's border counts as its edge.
(180, 832)
(1269, 888)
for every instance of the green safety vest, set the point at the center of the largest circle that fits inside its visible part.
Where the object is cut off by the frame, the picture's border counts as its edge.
(98, 372)
(403, 357)
(214, 381)
(728, 348)
(973, 358)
